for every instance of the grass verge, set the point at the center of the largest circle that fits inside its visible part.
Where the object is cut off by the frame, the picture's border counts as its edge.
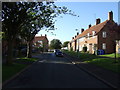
(17, 66)
(107, 63)
(111, 55)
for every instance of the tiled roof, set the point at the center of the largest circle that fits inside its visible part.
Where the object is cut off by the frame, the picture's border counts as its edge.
(95, 28)
(40, 38)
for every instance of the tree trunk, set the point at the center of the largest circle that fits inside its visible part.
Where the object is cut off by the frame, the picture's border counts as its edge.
(29, 49)
(10, 52)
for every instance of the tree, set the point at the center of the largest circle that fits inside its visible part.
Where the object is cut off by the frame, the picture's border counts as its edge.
(65, 44)
(14, 15)
(18, 17)
(44, 19)
(55, 44)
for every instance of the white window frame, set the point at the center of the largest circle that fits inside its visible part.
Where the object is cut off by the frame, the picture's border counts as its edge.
(93, 32)
(104, 35)
(103, 45)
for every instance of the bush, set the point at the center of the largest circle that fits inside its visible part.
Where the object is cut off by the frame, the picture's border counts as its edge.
(71, 49)
(84, 49)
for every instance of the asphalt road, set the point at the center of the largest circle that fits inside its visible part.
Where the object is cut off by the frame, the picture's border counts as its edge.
(54, 72)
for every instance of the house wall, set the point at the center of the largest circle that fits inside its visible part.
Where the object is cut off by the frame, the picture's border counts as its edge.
(44, 43)
(69, 46)
(89, 42)
(110, 38)
(117, 46)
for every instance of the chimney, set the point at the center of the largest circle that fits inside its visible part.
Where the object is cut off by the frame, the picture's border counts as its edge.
(82, 30)
(45, 35)
(97, 21)
(89, 26)
(75, 36)
(77, 33)
(72, 37)
(110, 15)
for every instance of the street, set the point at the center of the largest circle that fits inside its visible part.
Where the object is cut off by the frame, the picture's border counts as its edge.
(54, 72)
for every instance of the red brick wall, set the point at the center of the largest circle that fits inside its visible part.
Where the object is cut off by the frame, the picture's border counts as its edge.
(111, 34)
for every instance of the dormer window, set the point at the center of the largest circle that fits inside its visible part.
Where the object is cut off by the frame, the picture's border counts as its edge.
(93, 32)
(88, 34)
(104, 34)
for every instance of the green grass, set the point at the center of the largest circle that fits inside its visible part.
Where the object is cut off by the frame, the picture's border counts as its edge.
(27, 59)
(11, 70)
(107, 63)
(82, 56)
(111, 55)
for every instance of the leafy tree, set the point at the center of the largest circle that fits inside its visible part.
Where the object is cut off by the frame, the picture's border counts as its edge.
(14, 15)
(55, 44)
(19, 18)
(44, 19)
(65, 44)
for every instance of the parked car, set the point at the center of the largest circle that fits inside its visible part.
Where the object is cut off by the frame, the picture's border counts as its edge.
(56, 50)
(59, 53)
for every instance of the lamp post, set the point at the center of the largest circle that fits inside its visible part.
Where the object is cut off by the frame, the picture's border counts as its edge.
(78, 47)
(115, 51)
(77, 44)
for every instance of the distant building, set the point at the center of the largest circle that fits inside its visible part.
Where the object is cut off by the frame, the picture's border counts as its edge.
(41, 41)
(100, 36)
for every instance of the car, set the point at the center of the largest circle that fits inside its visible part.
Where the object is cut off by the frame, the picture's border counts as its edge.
(56, 50)
(59, 53)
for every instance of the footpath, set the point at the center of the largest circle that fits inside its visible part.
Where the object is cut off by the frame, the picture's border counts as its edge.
(110, 78)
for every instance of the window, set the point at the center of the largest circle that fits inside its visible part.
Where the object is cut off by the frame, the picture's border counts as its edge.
(104, 34)
(88, 35)
(93, 32)
(104, 46)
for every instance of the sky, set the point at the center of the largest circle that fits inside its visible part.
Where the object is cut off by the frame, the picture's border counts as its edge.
(88, 13)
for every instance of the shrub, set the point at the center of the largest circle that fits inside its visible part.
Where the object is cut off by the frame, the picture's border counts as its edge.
(84, 49)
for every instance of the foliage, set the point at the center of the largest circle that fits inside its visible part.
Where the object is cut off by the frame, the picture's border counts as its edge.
(71, 49)
(84, 49)
(25, 19)
(40, 49)
(65, 44)
(55, 44)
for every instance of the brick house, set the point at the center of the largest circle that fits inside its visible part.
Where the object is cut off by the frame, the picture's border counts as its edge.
(117, 46)
(41, 41)
(100, 36)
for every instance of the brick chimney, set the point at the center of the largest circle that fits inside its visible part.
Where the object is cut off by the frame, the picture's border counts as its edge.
(82, 30)
(98, 21)
(89, 26)
(45, 35)
(110, 15)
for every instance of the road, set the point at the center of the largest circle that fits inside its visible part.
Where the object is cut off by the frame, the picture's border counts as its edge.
(54, 72)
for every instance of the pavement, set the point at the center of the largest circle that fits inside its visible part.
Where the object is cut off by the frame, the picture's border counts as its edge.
(108, 77)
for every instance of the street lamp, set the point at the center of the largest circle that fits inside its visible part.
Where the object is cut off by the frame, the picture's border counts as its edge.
(115, 50)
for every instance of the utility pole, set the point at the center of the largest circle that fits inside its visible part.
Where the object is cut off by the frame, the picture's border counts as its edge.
(115, 52)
